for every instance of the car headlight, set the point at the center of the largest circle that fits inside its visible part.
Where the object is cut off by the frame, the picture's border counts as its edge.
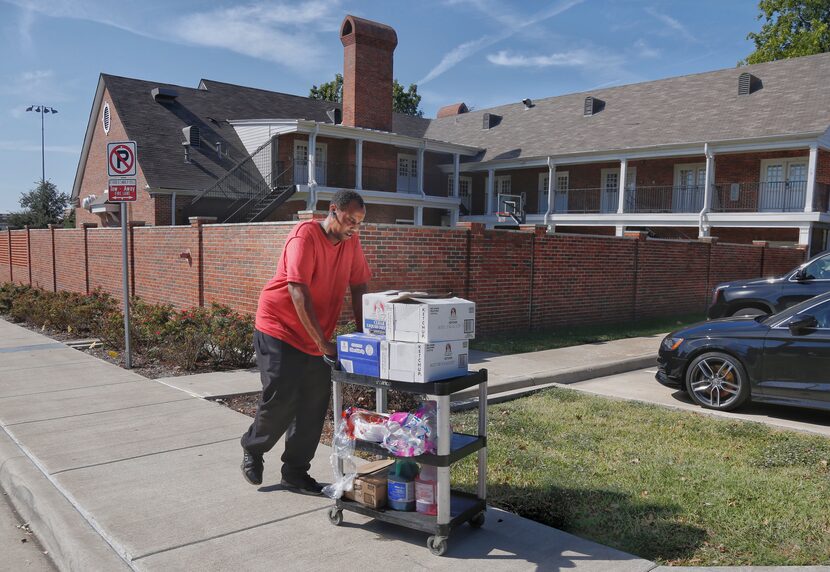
(672, 344)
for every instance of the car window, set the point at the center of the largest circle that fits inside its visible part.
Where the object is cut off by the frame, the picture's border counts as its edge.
(818, 269)
(821, 312)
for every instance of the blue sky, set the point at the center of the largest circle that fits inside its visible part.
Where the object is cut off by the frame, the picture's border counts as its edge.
(482, 52)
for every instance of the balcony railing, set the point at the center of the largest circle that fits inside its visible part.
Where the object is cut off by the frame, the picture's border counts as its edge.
(342, 175)
(760, 197)
(664, 199)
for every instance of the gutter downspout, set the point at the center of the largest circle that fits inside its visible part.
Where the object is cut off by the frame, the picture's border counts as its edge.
(551, 169)
(312, 168)
(706, 191)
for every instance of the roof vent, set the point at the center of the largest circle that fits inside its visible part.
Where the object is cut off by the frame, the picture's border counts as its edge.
(528, 103)
(453, 109)
(748, 83)
(192, 136)
(106, 118)
(490, 120)
(164, 94)
(592, 106)
(335, 115)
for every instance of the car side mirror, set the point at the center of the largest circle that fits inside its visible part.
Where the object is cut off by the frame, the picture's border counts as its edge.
(803, 325)
(800, 275)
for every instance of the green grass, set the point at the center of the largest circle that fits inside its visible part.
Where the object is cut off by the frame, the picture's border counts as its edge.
(674, 487)
(535, 340)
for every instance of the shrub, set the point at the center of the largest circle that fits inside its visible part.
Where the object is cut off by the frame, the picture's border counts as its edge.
(26, 307)
(231, 337)
(148, 326)
(187, 334)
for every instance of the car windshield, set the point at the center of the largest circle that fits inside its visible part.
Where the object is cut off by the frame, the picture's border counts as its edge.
(792, 311)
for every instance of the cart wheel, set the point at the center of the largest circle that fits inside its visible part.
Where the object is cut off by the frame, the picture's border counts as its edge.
(437, 545)
(335, 516)
(478, 520)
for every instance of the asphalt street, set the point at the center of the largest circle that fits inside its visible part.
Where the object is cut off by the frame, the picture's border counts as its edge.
(640, 385)
(19, 547)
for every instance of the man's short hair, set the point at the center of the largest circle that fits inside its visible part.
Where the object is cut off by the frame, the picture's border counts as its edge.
(344, 197)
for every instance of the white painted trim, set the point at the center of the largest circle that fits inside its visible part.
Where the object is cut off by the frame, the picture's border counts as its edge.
(409, 157)
(491, 177)
(456, 163)
(384, 198)
(812, 165)
(358, 184)
(621, 189)
(418, 219)
(371, 135)
(90, 131)
(688, 166)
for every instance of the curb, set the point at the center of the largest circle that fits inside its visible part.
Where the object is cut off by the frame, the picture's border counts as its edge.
(64, 533)
(523, 385)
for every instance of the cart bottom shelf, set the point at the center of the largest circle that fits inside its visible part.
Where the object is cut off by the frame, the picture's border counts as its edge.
(463, 507)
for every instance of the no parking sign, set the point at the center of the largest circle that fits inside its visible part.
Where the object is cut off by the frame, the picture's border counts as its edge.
(121, 159)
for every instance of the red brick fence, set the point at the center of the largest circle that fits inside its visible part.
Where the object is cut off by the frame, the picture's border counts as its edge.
(519, 279)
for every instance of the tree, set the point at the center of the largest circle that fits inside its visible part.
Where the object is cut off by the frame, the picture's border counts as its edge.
(43, 206)
(792, 28)
(403, 101)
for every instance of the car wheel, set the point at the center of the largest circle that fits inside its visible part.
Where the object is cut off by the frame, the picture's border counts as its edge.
(748, 312)
(717, 380)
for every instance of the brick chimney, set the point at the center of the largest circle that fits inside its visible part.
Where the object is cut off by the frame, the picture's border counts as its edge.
(367, 73)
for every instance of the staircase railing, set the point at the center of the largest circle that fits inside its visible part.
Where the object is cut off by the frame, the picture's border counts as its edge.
(247, 178)
(241, 206)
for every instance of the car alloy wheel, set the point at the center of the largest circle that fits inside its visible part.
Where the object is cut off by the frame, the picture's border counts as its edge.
(717, 380)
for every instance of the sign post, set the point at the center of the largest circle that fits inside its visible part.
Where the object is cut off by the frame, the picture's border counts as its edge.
(121, 165)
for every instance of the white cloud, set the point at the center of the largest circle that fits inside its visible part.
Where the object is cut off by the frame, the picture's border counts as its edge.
(35, 86)
(28, 147)
(646, 51)
(672, 23)
(572, 58)
(467, 49)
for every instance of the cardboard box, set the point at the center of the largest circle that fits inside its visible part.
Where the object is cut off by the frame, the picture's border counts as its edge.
(369, 486)
(374, 309)
(419, 362)
(359, 353)
(412, 319)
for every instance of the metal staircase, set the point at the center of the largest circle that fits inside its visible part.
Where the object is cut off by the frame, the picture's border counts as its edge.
(254, 188)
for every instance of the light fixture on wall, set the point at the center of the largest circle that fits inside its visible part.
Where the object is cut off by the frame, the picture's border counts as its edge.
(42, 109)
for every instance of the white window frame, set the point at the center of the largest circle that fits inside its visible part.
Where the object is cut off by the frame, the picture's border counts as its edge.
(320, 166)
(413, 176)
(543, 190)
(687, 167)
(461, 180)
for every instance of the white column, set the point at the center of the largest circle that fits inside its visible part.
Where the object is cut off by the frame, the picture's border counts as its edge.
(621, 195)
(453, 217)
(456, 167)
(811, 179)
(551, 191)
(421, 170)
(708, 187)
(491, 183)
(804, 236)
(312, 171)
(419, 216)
(358, 173)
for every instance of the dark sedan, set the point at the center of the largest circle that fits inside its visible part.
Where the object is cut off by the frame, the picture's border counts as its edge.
(783, 358)
(768, 295)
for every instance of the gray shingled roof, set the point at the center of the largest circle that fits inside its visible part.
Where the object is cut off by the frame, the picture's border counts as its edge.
(156, 127)
(688, 109)
(795, 98)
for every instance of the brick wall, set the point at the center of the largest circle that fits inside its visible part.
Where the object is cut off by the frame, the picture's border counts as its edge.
(519, 279)
(43, 256)
(70, 260)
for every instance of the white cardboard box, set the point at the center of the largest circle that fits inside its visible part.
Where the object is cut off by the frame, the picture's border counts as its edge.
(374, 309)
(420, 362)
(430, 319)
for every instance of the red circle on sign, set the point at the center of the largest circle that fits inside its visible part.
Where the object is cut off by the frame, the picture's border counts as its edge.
(121, 159)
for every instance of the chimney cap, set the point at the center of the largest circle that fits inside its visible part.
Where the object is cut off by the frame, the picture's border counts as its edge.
(164, 94)
(453, 109)
(367, 31)
(528, 102)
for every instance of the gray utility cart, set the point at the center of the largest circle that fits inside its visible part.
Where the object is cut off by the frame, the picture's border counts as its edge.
(454, 507)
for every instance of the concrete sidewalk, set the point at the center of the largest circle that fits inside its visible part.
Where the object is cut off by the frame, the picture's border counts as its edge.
(506, 373)
(117, 472)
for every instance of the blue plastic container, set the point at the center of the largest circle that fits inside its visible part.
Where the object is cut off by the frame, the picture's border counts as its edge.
(400, 486)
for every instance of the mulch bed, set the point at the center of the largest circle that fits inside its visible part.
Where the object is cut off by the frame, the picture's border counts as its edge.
(352, 396)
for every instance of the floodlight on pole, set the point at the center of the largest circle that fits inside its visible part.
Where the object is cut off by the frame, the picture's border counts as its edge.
(42, 109)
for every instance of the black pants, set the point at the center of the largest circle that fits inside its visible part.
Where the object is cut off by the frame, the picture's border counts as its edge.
(296, 388)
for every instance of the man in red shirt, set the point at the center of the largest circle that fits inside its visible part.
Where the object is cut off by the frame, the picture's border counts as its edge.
(296, 316)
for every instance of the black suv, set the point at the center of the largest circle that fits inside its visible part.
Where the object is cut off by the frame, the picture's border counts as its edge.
(769, 295)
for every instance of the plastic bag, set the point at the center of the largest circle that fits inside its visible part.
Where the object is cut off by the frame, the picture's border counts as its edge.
(412, 434)
(365, 425)
(342, 449)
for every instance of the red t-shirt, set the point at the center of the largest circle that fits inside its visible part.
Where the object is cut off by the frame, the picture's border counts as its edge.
(310, 258)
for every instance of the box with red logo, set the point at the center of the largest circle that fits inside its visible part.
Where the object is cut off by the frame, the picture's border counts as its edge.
(374, 309)
(413, 319)
(420, 362)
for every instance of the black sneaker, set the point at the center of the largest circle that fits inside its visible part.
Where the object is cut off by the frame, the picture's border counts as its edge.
(303, 484)
(252, 467)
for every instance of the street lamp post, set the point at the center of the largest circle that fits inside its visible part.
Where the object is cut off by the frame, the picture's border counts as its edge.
(42, 109)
